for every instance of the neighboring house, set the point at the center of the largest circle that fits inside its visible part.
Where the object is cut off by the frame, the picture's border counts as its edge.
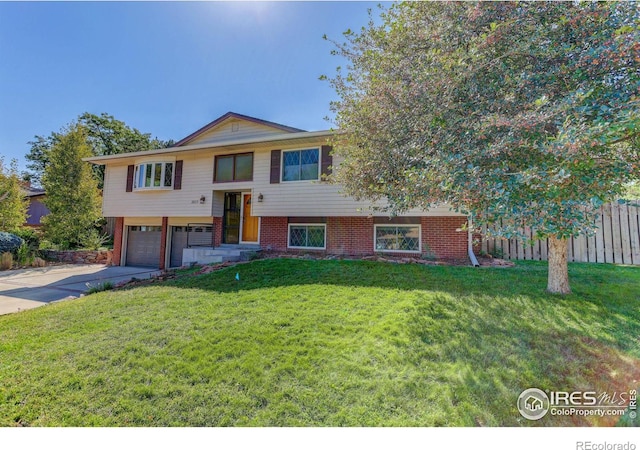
(245, 182)
(36, 210)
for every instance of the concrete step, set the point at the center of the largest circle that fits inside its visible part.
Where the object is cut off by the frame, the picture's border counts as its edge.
(227, 253)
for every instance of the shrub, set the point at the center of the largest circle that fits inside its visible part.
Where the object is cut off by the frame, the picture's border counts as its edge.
(9, 242)
(30, 236)
(24, 255)
(6, 261)
(92, 240)
(38, 262)
(106, 286)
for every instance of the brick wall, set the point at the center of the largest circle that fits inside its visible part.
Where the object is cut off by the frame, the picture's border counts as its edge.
(273, 233)
(117, 241)
(439, 235)
(350, 235)
(354, 236)
(217, 230)
(163, 242)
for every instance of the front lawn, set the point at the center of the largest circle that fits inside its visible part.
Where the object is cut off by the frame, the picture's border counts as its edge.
(323, 343)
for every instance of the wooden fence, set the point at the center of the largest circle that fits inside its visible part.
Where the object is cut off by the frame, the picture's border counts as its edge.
(617, 240)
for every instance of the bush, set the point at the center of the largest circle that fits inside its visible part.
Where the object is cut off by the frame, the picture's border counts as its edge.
(106, 286)
(24, 255)
(9, 242)
(92, 240)
(6, 261)
(31, 237)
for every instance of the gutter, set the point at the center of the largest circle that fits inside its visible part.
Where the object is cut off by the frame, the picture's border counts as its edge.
(472, 256)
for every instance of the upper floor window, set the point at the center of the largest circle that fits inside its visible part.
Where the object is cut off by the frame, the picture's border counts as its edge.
(154, 175)
(233, 168)
(299, 165)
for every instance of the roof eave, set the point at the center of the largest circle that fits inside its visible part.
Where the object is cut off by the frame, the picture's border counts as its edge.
(213, 145)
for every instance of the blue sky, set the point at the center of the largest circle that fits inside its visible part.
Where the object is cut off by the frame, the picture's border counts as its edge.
(166, 68)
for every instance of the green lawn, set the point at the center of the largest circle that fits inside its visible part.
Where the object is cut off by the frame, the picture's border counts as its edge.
(323, 343)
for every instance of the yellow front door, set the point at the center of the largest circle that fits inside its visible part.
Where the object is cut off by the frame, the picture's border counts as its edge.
(249, 222)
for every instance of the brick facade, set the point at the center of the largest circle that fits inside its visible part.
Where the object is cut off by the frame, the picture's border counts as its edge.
(117, 241)
(440, 236)
(353, 236)
(273, 233)
(350, 236)
(163, 242)
(347, 236)
(217, 231)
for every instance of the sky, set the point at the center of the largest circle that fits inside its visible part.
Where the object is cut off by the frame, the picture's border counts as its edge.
(166, 68)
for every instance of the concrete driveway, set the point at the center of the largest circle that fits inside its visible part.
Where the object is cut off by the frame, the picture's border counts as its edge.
(30, 288)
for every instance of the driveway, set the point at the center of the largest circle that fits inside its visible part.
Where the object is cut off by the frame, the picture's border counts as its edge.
(30, 288)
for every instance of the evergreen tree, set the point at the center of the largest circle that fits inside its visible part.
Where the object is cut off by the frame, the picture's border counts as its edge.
(73, 196)
(13, 202)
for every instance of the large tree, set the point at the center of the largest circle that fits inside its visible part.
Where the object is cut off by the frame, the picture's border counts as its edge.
(520, 114)
(13, 202)
(106, 135)
(73, 196)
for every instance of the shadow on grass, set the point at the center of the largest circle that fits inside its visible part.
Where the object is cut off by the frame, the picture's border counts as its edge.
(490, 333)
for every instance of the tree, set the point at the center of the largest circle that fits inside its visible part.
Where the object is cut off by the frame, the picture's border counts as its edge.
(105, 135)
(520, 114)
(13, 202)
(73, 196)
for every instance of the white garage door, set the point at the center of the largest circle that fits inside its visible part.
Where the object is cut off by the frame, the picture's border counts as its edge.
(143, 246)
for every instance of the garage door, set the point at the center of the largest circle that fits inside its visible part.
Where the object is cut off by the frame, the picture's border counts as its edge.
(194, 235)
(143, 246)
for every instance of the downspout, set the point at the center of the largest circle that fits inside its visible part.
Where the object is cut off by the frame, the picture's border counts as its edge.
(472, 256)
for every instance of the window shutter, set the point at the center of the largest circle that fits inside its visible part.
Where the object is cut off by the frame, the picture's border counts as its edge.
(130, 170)
(327, 160)
(275, 166)
(177, 177)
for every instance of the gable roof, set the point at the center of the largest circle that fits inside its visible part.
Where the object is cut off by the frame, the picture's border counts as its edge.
(232, 115)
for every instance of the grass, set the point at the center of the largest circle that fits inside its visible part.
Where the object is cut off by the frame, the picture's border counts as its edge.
(323, 343)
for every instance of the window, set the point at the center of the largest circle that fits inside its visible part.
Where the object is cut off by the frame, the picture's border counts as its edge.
(233, 168)
(154, 175)
(397, 238)
(307, 236)
(299, 165)
(145, 228)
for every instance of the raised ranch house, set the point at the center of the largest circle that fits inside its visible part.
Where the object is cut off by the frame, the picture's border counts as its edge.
(245, 183)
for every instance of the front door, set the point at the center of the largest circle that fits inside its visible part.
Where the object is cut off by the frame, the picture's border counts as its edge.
(250, 224)
(231, 218)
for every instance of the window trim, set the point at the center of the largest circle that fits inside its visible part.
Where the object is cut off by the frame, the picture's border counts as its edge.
(375, 238)
(233, 170)
(319, 175)
(324, 225)
(153, 163)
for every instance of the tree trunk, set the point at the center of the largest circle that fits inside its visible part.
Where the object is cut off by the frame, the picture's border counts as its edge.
(558, 281)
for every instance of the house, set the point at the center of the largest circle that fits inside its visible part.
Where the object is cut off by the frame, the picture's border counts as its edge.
(36, 209)
(241, 182)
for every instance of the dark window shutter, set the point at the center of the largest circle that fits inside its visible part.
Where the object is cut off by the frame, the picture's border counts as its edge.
(177, 178)
(130, 170)
(275, 166)
(327, 160)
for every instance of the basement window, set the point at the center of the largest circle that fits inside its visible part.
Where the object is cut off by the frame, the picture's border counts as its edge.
(397, 238)
(307, 236)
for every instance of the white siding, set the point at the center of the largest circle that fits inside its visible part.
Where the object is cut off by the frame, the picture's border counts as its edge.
(283, 199)
(197, 176)
(235, 129)
(317, 198)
